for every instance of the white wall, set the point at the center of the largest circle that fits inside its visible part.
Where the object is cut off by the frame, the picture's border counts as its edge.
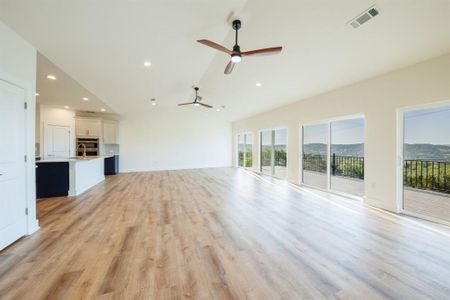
(179, 138)
(378, 99)
(18, 66)
(57, 116)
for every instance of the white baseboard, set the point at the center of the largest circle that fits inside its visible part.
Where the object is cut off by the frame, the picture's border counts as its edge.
(381, 204)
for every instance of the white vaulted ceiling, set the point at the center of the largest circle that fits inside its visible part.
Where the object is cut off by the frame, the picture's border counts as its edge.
(103, 45)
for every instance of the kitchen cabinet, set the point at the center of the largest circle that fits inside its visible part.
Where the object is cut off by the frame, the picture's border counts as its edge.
(52, 179)
(87, 127)
(112, 165)
(109, 132)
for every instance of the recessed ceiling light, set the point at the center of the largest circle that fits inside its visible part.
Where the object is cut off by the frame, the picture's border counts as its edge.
(51, 77)
(85, 98)
(153, 101)
(66, 107)
(218, 109)
(258, 84)
(102, 109)
(36, 94)
(147, 63)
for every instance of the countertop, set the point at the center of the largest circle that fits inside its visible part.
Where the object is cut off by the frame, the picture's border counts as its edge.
(73, 159)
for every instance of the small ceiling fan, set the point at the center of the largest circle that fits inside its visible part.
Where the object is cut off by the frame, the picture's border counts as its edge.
(196, 101)
(236, 54)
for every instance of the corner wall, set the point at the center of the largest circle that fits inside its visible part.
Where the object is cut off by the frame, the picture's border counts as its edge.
(378, 100)
(18, 66)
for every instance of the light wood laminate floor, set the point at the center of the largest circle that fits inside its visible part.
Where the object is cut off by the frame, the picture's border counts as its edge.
(221, 234)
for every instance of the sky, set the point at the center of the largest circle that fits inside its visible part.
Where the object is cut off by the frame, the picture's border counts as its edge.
(342, 132)
(428, 126)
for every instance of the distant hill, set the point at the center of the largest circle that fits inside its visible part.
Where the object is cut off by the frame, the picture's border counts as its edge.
(426, 151)
(411, 151)
(339, 149)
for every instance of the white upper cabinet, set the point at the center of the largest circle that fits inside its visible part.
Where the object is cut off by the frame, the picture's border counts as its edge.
(88, 127)
(109, 132)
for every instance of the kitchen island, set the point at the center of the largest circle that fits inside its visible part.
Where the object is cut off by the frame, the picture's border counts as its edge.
(83, 173)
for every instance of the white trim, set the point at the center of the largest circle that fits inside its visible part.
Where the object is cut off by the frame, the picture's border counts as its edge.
(333, 192)
(380, 204)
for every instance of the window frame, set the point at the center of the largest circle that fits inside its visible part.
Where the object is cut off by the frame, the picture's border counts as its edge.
(399, 157)
(245, 134)
(328, 121)
(272, 158)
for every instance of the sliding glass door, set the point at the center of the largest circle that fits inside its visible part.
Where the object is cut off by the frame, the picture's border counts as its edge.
(315, 143)
(248, 150)
(273, 145)
(266, 152)
(333, 155)
(347, 156)
(426, 162)
(244, 150)
(241, 149)
(280, 153)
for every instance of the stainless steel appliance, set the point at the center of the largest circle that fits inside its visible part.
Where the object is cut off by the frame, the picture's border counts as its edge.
(91, 146)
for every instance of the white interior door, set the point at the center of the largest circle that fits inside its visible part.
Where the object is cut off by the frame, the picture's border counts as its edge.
(12, 164)
(57, 141)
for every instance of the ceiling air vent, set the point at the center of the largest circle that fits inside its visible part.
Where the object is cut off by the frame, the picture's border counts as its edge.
(362, 18)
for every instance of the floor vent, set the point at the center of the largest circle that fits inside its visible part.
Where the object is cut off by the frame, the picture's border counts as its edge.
(362, 18)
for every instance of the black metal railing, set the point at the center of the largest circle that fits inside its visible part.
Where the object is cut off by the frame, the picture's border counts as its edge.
(347, 166)
(315, 163)
(431, 175)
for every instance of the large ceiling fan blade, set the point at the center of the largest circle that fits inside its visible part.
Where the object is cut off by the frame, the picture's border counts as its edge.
(229, 68)
(181, 104)
(205, 105)
(265, 51)
(215, 46)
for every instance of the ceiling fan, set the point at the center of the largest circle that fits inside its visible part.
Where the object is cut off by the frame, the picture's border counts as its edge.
(236, 54)
(196, 101)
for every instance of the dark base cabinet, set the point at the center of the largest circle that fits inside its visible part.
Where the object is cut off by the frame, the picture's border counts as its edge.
(52, 179)
(112, 165)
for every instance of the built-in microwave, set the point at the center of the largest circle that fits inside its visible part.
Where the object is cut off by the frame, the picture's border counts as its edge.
(90, 146)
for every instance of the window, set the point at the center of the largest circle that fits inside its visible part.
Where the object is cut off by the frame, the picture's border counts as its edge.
(426, 162)
(280, 153)
(245, 148)
(266, 152)
(333, 155)
(241, 149)
(347, 156)
(249, 150)
(274, 152)
(315, 141)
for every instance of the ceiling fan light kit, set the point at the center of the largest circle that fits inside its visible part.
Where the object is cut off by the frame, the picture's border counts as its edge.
(236, 54)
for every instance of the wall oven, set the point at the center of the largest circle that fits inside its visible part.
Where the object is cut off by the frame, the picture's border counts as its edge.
(91, 144)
